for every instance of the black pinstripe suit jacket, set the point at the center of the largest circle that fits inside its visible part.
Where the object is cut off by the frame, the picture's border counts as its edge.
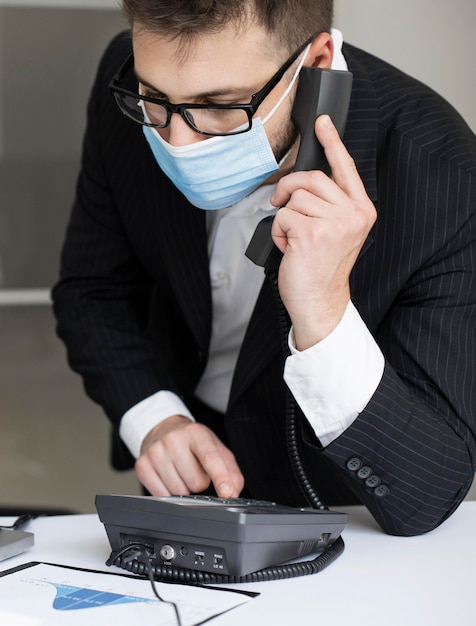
(135, 260)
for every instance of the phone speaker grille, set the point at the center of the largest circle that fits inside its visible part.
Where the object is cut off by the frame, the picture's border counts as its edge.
(308, 546)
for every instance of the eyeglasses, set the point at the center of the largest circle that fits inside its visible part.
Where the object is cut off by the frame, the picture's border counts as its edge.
(217, 119)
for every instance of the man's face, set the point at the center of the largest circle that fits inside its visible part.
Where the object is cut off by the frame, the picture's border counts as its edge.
(224, 68)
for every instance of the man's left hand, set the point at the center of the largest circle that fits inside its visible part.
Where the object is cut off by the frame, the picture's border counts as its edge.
(320, 229)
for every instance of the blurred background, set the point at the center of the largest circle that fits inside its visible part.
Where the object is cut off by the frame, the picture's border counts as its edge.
(53, 440)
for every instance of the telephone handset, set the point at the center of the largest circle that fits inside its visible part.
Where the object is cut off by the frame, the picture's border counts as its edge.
(319, 91)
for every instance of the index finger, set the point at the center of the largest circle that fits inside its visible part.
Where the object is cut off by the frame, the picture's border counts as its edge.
(220, 465)
(344, 170)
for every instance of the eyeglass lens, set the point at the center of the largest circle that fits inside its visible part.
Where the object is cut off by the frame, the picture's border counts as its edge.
(206, 120)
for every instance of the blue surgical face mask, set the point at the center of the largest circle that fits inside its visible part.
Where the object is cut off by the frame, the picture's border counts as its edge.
(218, 172)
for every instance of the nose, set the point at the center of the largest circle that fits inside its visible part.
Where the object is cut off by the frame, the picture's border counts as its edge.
(178, 132)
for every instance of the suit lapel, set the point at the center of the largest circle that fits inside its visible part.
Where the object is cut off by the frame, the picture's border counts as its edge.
(360, 135)
(261, 343)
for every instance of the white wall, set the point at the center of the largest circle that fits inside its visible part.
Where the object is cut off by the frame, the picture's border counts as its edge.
(48, 59)
(433, 40)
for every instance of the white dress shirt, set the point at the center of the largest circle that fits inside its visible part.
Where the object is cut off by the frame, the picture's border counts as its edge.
(331, 381)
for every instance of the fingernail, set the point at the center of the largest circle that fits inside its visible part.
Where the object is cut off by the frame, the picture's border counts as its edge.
(225, 490)
(326, 121)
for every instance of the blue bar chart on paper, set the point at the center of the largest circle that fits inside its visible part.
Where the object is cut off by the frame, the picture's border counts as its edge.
(66, 596)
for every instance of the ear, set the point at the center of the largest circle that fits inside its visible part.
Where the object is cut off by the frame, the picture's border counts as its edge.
(321, 52)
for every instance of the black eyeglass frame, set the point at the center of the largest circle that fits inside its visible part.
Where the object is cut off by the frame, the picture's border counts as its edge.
(250, 108)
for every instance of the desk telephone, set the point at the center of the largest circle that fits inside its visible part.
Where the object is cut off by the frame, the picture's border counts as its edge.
(207, 539)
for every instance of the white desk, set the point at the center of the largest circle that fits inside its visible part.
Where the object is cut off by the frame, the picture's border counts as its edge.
(378, 581)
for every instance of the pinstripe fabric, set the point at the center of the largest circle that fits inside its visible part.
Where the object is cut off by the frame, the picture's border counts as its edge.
(135, 260)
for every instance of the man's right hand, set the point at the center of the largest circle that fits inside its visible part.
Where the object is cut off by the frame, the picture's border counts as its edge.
(179, 457)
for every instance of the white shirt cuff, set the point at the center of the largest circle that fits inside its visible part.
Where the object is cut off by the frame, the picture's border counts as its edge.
(335, 379)
(140, 419)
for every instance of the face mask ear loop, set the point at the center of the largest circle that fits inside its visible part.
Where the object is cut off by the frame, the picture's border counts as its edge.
(290, 86)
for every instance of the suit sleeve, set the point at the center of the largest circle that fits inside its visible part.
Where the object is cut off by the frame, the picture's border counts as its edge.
(410, 455)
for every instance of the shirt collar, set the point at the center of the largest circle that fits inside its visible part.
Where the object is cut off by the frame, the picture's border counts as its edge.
(338, 62)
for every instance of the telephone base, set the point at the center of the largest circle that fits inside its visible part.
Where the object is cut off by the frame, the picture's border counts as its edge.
(231, 537)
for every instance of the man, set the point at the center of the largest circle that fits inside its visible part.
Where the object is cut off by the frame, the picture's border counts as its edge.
(176, 333)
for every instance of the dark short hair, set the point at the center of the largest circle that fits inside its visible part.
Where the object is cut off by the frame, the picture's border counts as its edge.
(288, 22)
